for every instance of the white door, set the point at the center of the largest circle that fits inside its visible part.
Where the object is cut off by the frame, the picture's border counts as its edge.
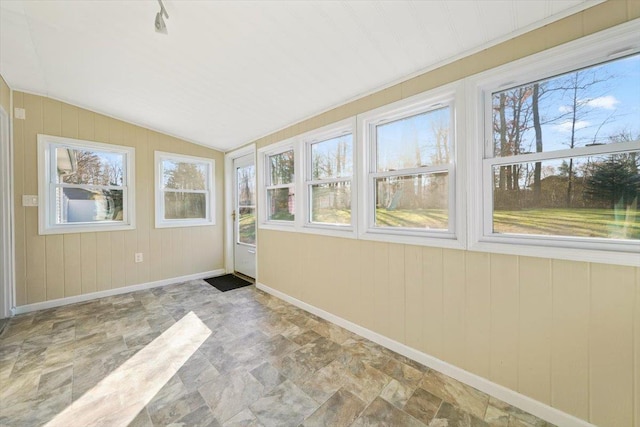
(244, 215)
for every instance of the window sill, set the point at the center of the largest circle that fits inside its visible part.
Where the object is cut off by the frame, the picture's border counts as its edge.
(278, 226)
(181, 223)
(85, 229)
(448, 240)
(330, 230)
(561, 253)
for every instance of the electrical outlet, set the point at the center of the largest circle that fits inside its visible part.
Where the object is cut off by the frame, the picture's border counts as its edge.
(28, 200)
(139, 257)
(19, 113)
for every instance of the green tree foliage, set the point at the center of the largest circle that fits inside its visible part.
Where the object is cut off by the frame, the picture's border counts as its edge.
(614, 182)
(185, 176)
(282, 172)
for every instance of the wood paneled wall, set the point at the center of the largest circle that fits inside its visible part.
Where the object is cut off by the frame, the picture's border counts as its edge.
(5, 96)
(65, 265)
(564, 333)
(561, 332)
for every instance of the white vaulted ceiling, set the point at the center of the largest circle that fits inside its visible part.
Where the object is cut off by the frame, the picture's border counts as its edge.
(229, 72)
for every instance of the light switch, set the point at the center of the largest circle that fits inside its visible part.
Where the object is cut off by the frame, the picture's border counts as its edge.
(20, 113)
(29, 200)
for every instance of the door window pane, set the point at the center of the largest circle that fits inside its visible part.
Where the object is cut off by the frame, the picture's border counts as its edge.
(594, 196)
(247, 225)
(246, 218)
(413, 201)
(413, 142)
(331, 203)
(246, 178)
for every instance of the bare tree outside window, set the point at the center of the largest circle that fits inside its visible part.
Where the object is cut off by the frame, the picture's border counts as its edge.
(90, 185)
(185, 188)
(569, 195)
(412, 159)
(330, 181)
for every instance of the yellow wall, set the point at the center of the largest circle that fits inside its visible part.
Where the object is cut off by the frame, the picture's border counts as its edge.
(65, 265)
(564, 333)
(5, 95)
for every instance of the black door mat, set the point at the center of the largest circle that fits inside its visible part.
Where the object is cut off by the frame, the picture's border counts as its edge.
(227, 282)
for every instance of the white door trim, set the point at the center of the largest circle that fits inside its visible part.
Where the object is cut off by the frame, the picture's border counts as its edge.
(7, 250)
(228, 204)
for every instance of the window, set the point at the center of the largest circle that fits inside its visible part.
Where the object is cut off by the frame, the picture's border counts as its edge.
(561, 158)
(281, 193)
(246, 194)
(84, 186)
(184, 190)
(329, 176)
(410, 169)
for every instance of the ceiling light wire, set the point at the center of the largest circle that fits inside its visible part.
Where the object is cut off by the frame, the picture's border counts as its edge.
(161, 26)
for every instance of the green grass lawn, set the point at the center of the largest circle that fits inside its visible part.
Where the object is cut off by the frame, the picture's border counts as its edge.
(247, 229)
(332, 216)
(413, 218)
(559, 222)
(569, 222)
(409, 218)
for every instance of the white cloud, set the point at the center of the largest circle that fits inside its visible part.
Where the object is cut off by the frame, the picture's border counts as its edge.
(566, 126)
(607, 102)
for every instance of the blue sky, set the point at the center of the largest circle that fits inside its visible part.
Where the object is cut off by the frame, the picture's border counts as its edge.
(397, 140)
(606, 108)
(329, 150)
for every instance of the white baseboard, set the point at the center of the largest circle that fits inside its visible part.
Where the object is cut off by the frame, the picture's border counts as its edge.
(534, 407)
(110, 292)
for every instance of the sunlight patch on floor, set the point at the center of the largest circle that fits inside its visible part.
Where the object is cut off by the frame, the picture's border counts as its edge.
(118, 398)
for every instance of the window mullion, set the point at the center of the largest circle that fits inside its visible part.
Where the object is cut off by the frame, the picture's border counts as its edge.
(619, 147)
(98, 187)
(275, 187)
(412, 171)
(174, 190)
(329, 181)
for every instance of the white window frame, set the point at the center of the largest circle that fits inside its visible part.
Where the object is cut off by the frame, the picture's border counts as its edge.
(46, 187)
(161, 221)
(264, 184)
(321, 135)
(601, 47)
(454, 237)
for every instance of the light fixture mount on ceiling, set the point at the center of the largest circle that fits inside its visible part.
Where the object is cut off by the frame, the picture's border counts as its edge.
(161, 27)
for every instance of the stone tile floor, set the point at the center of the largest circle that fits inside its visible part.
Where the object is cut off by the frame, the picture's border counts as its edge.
(267, 363)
